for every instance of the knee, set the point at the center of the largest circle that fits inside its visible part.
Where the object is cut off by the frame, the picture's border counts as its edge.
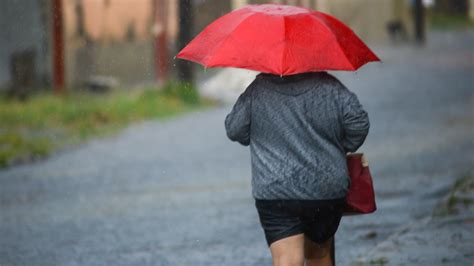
(318, 252)
(324, 259)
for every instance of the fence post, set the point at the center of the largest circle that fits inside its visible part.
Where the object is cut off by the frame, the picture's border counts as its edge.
(58, 47)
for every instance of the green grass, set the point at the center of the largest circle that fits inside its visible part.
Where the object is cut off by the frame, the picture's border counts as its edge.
(446, 21)
(45, 122)
(458, 197)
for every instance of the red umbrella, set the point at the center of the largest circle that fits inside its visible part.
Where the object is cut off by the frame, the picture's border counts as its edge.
(278, 39)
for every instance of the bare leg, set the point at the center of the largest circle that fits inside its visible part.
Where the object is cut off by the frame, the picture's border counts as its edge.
(288, 251)
(318, 254)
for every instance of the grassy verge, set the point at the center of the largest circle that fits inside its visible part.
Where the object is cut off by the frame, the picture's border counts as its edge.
(45, 122)
(447, 21)
(460, 197)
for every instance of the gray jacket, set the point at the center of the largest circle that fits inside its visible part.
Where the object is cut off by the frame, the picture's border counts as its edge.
(299, 129)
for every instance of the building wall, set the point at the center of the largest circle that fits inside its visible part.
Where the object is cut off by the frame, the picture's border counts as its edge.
(110, 38)
(369, 18)
(107, 21)
(25, 33)
(209, 10)
(116, 37)
(471, 10)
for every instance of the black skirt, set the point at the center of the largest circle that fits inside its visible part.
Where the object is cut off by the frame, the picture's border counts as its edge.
(317, 219)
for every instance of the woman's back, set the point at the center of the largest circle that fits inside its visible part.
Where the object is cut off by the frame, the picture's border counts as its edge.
(299, 129)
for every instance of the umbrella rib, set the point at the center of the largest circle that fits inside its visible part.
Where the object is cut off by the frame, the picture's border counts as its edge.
(216, 49)
(282, 41)
(284, 47)
(335, 38)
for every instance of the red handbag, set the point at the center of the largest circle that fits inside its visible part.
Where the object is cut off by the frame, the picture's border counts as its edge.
(360, 198)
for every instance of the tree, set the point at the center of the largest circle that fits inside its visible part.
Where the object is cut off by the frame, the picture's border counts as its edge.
(419, 21)
(186, 20)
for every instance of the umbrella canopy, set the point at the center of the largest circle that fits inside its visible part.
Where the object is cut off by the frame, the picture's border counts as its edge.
(278, 39)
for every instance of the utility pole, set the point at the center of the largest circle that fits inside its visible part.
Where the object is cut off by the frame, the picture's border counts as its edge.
(160, 27)
(186, 20)
(419, 14)
(58, 47)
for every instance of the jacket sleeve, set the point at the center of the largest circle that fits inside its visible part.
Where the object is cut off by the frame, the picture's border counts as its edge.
(237, 122)
(355, 122)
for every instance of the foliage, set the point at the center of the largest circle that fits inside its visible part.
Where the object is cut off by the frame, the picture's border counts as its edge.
(34, 128)
(460, 196)
(182, 90)
(447, 21)
(16, 146)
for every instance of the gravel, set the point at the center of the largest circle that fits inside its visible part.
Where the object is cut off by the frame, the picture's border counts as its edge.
(178, 192)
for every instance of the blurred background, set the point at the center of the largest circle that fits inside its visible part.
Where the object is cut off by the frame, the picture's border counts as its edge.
(114, 152)
(81, 43)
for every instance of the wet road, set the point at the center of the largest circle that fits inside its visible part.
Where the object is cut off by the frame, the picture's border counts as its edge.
(178, 192)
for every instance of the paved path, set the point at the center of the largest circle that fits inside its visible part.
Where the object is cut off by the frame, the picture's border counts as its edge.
(178, 192)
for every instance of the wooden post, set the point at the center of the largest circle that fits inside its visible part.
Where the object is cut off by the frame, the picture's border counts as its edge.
(58, 47)
(161, 43)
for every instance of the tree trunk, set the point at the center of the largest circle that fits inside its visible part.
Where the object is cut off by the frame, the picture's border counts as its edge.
(186, 19)
(419, 14)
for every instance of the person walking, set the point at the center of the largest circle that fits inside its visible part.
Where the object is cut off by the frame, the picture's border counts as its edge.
(299, 128)
(298, 120)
